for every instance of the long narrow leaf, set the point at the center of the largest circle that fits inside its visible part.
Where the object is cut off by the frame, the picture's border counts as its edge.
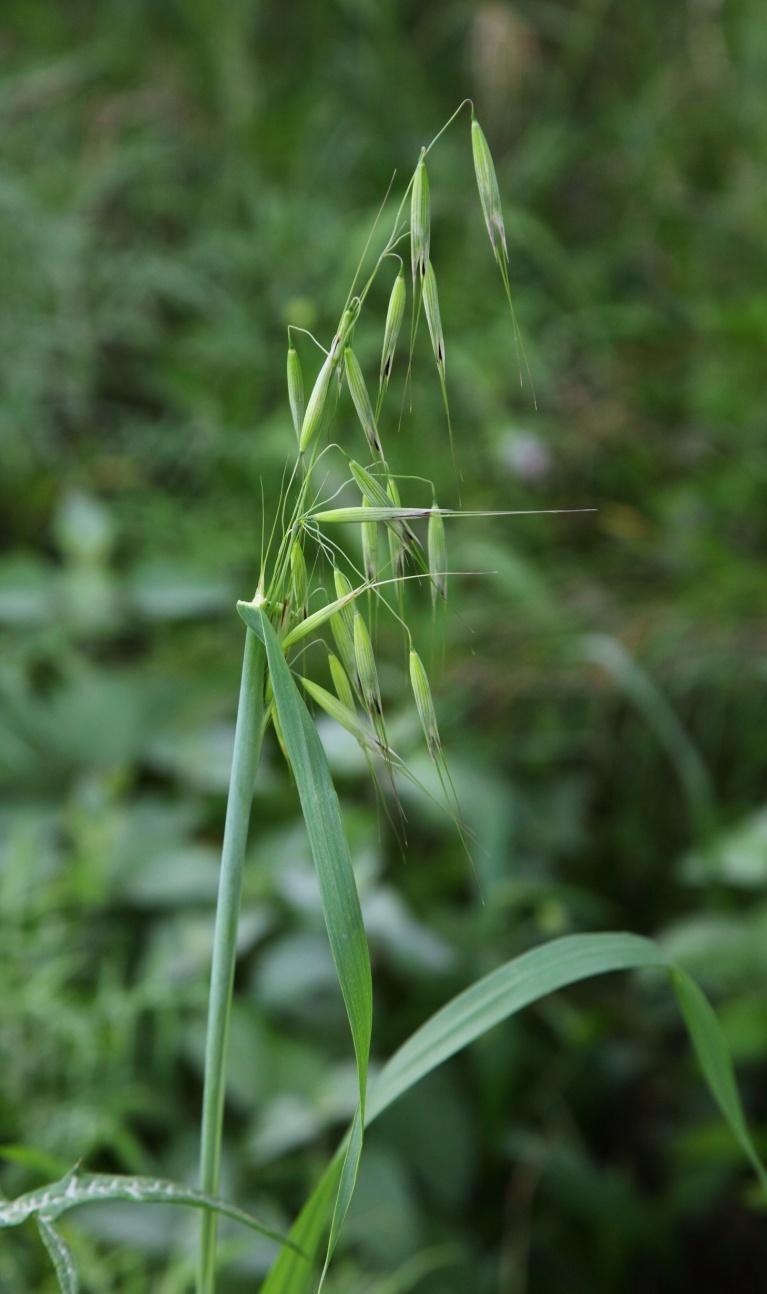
(714, 1059)
(495, 997)
(338, 889)
(60, 1256)
(49, 1202)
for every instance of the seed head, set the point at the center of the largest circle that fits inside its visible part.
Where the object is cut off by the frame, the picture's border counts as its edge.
(489, 194)
(361, 399)
(424, 704)
(437, 551)
(420, 224)
(394, 316)
(295, 389)
(433, 317)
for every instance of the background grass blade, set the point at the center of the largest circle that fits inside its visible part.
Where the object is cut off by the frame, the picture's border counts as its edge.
(495, 997)
(710, 1045)
(338, 889)
(61, 1257)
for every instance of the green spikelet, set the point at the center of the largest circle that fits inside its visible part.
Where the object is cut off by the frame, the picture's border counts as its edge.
(342, 624)
(489, 193)
(316, 407)
(394, 315)
(343, 714)
(434, 320)
(341, 681)
(369, 546)
(299, 580)
(374, 492)
(420, 222)
(295, 389)
(367, 676)
(437, 552)
(424, 704)
(396, 545)
(361, 400)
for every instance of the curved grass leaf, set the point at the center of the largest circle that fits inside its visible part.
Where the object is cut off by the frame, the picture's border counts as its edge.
(714, 1059)
(49, 1202)
(495, 997)
(60, 1256)
(338, 890)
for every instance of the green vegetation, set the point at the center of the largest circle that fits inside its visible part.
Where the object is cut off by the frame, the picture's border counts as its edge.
(166, 214)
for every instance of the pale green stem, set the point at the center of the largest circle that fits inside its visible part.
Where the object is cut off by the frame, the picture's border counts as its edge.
(247, 749)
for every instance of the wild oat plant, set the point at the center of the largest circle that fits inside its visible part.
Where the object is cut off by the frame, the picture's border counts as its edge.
(292, 609)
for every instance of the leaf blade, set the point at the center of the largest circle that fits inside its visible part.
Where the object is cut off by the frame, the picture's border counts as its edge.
(338, 889)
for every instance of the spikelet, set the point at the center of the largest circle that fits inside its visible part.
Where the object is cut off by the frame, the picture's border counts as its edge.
(343, 714)
(433, 317)
(434, 320)
(342, 624)
(396, 546)
(295, 389)
(437, 554)
(369, 546)
(316, 406)
(299, 580)
(348, 320)
(312, 622)
(395, 313)
(375, 494)
(424, 704)
(489, 194)
(341, 681)
(343, 590)
(361, 400)
(420, 221)
(490, 199)
(367, 676)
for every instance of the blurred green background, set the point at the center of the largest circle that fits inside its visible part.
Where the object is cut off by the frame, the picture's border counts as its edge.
(177, 183)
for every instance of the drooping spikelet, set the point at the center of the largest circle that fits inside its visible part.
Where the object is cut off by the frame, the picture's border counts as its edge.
(375, 493)
(361, 401)
(342, 625)
(433, 317)
(299, 580)
(419, 681)
(367, 677)
(341, 681)
(420, 221)
(437, 554)
(434, 320)
(343, 714)
(396, 545)
(369, 546)
(489, 193)
(316, 406)
(490, 199)
(295, 389)
(394, 315)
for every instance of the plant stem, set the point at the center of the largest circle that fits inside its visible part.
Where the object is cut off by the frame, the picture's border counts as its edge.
(247, 749)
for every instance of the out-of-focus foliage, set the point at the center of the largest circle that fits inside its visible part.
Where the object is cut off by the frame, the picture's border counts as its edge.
(177, 183)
